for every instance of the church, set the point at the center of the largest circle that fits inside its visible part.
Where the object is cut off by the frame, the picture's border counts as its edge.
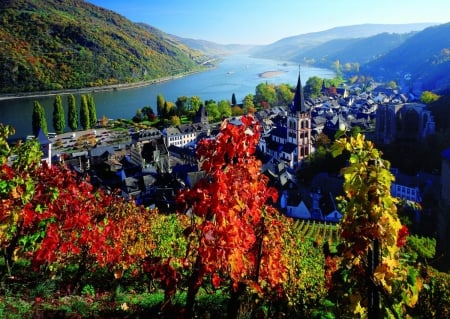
(289, 141)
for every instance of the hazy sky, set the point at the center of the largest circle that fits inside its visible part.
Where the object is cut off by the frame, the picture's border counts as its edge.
(266, 21)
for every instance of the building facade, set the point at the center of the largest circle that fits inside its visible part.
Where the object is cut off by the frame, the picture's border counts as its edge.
(290, 140)
(405, 121)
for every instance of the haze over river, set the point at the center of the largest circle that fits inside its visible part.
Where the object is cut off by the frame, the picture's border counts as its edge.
(238, 74)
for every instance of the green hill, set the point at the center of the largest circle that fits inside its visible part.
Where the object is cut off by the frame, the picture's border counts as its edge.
(51, 44)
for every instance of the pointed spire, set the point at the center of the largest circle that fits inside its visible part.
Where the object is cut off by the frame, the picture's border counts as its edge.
(298, 103)
(202, 115)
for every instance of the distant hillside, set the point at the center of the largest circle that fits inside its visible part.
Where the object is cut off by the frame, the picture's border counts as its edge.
(423, 59)
(357, 50)
(51, 44)
(206, 47)
(212, 48)
(291, 47)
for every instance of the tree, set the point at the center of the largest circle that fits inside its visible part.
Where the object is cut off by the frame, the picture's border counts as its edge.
(265, 95)
(53, 217)
(39, 121)
(237, 111)
(72, 112)
(234, 233)
(138, 117)
(84, 113)
(92, 111)
(371, 238)
(392, 85)
(248, 105)
(284, 94)
(233, 99)
(160, 105)
(181, 105)
(59, 122)
(313, 87)
(428, 97)
(224, 109)
(148, 114)
(175, 120)
(104, 121)
(195, 103)
(17, 189)
(212, 110)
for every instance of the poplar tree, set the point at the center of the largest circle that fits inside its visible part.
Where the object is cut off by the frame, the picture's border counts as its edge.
(92, 111)
(59, 122)
(72, 112)
(160, 105)
(84, 113)
(38, 120)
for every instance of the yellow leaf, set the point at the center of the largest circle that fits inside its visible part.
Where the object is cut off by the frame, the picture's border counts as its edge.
(118, 274)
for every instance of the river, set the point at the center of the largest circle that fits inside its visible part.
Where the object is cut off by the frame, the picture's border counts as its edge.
(238, 74)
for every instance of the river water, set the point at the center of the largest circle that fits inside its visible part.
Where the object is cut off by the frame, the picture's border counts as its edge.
(238, 74)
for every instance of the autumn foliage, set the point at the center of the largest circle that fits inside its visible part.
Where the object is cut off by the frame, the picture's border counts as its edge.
(234, 233)
(226, 236)
(372, 237)
(56, 218)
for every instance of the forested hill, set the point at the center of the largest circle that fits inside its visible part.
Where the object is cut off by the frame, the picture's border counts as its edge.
(423, 58)
(54, 44)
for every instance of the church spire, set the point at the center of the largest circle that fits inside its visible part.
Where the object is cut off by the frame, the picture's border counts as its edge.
(298, 103)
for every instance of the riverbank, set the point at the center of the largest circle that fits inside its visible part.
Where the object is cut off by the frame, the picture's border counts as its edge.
(87, 90)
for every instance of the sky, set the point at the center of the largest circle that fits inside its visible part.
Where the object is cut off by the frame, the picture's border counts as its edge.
(267, 21)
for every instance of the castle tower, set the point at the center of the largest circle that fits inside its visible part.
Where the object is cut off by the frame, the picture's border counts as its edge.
(299, 125)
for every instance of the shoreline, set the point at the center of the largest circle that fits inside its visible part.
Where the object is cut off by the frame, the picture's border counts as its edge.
(112, 87)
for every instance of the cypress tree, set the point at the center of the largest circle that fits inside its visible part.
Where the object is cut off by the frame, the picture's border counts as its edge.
(59, 122)
(84, 113)
(72, 112)
(233, 99)
(39, 121)
(92, 111)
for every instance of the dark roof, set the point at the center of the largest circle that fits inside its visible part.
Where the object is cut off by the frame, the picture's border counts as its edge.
(279, 131)
(99, 151)
(145, 135)
(289, 148)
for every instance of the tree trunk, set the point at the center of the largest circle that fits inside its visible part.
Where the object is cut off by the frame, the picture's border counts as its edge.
(193, 287)
(374, 294)
(234, 305)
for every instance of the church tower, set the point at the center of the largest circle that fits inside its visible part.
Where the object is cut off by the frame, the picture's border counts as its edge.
(299, 125)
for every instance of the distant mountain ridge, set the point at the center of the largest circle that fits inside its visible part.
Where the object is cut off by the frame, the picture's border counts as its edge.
(207, 47)
(51, 44)
(423, 58)
(288, 48)
(417, 56)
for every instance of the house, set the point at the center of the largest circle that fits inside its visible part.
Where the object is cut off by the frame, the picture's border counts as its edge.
(405, 187)
(185, 134)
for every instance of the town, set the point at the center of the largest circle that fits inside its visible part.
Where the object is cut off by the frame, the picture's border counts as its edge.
(150, 166)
